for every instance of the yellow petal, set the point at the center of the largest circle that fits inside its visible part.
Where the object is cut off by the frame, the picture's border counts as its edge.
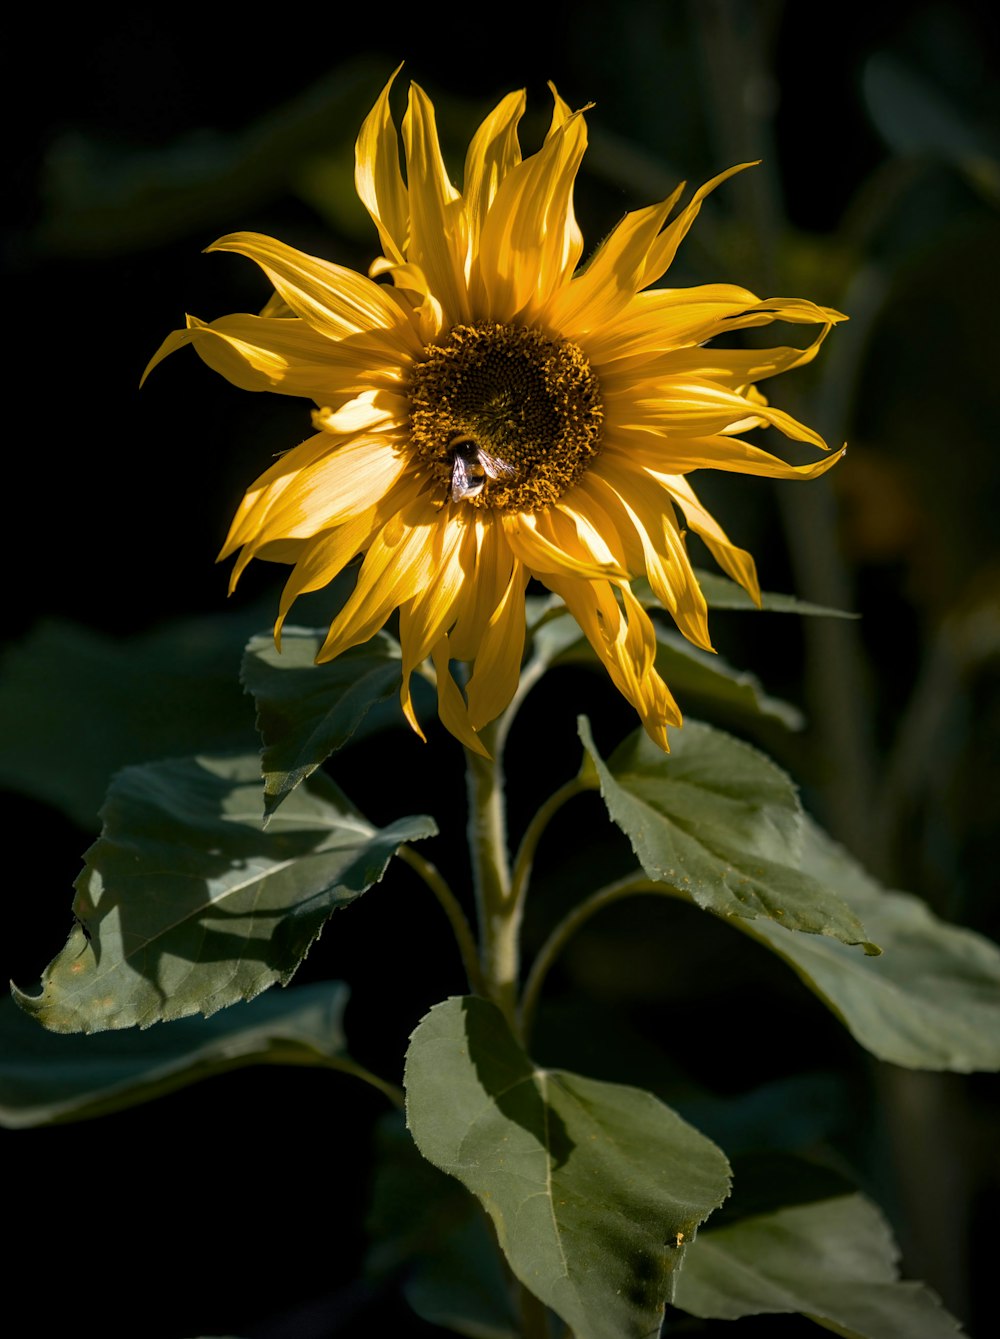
(665, 559)
(377, 177)
(531, 539)
(732, 368)
(665, 318)
(493, 151)
(498, 660)
(685, 406)
(370, 411)
(398, 565)
(335, 301)
(527, 244)
(736, 561)
(265, 354)
(479, 598)
(323, 558)
(451, 705)
(436, 241)
(316, 487)
(430, 613)
(625, 642)
(663, 250)
(612, 276)
(663, 454)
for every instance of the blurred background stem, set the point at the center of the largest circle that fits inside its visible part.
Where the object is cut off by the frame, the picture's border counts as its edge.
(932, 1170)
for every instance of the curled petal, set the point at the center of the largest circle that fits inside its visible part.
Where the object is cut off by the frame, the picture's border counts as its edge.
(625, 641)
(378, 179)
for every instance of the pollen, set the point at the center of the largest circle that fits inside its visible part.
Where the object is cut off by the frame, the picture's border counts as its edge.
(530, 403)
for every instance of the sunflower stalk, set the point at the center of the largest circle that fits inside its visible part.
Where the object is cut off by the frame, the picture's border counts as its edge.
(497, 906)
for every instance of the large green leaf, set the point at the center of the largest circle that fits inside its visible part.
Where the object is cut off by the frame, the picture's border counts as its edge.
(931, 1001)
(307, 711)
(46, 1078)
(185, 904)
(722, 825)
(595, 1189)
(833, 1260)
(691, 673)
(75, 706)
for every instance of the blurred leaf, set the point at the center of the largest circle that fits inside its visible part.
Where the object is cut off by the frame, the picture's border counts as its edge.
(76, 706)
(833, 1260)
(931, 1001)
(557, 639)
(186, 905)
(586, 1182)
(783, 1115)
(307, 711)
(45, 1078)
(721, 593)
(713, 681)
(424, 1225)
(916, 117)
(722, 825)
(105, 200)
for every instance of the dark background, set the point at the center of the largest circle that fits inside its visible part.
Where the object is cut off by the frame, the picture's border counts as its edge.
(131, 145)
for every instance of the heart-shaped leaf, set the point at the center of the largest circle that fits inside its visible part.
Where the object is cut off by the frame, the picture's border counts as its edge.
(594, 1188)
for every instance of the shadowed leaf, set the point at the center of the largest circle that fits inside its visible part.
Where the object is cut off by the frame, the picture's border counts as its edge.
(594, 1188)
(186, 905)
(46, 1078)
(307, 711)
(833, 1260)
(75, 706)
(931, 1001)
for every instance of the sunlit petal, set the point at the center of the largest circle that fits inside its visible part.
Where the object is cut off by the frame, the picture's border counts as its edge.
(488, 413)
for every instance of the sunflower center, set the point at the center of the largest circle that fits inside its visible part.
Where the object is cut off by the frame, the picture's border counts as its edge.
(504, 417)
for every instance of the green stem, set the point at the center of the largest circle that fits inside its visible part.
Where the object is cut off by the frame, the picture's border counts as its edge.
(390, 1090)
(568, 926)
(450, 905)
(530, 675)
(529, 842)
(498, 923)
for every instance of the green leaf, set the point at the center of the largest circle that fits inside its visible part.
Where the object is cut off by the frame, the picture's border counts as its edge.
(186, 905)
(307, 711)
(915, 116)
(46, 1078)
(76, 706)
(594, 1188)
(690, 672)
(722, 825)
(833, 1260)
(931, 1001)
(712, 681)
(427, 1227)
(721, 593)
(103, 199)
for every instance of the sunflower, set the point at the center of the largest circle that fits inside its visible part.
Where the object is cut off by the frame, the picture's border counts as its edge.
(497, 413)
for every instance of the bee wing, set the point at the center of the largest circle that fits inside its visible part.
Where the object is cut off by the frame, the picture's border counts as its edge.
(494, 466)
(462, 484)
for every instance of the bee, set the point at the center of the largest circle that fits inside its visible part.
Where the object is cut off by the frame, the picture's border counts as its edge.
(471, 466)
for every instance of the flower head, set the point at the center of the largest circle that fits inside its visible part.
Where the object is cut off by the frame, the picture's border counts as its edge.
(494, 413)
